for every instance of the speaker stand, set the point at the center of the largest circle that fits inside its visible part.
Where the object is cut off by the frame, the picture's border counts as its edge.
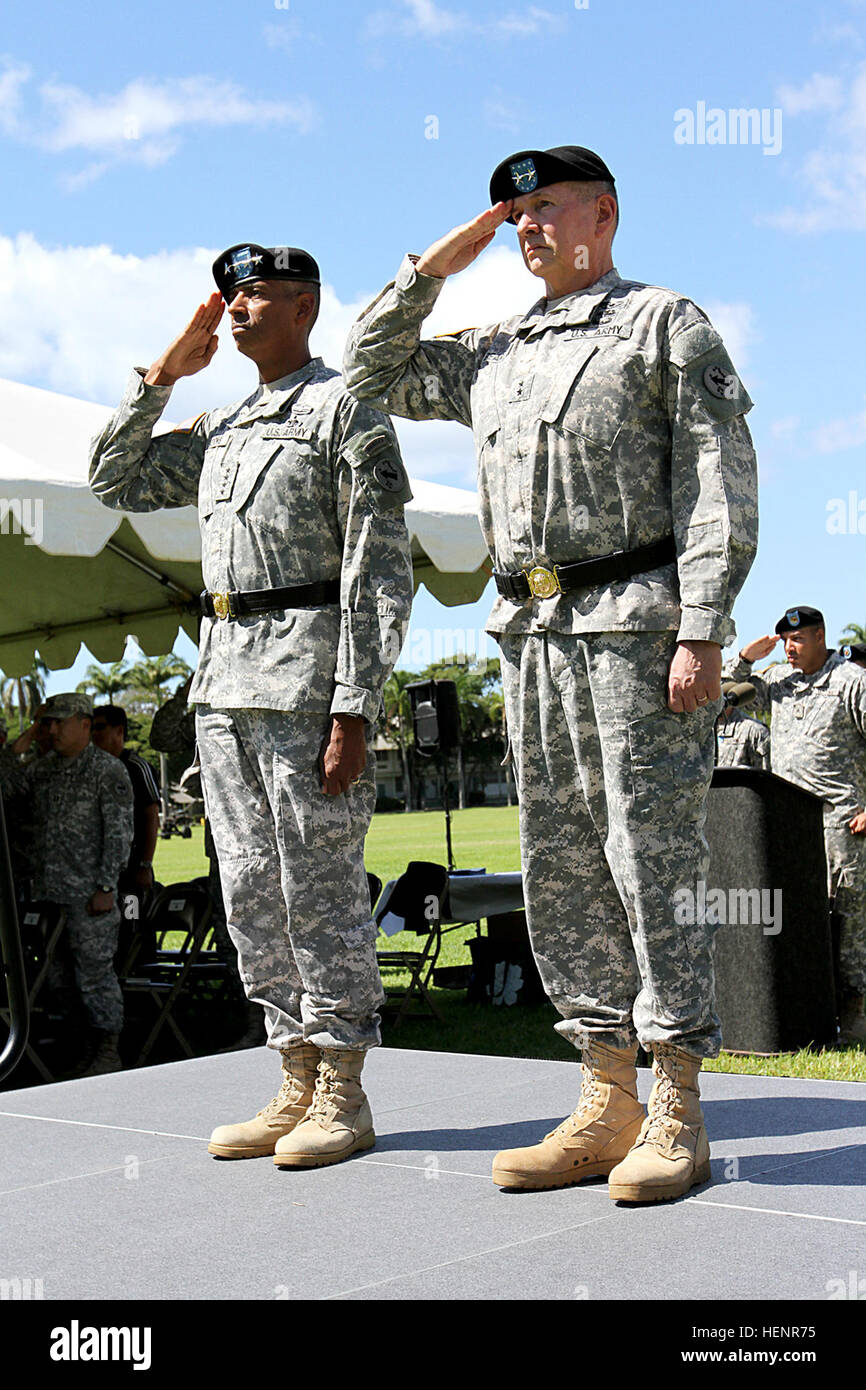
(445, 802)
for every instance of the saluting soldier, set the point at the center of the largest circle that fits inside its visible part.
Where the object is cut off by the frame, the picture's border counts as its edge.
(306, 561)
(741, 741)
(79, 802)
(617, 490)
(816, 699)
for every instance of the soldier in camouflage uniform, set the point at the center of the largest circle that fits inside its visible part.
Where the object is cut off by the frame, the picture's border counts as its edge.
(173, 731)
(817, 705)
(305, 557)
(741, 741)
(607, 418)
(81, 803)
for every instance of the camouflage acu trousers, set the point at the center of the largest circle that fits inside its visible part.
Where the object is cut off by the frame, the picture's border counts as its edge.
(291, 863)
(846, 874)
(92, 942)
(612, 790)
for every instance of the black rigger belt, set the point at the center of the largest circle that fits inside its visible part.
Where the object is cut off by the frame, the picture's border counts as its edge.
(241, 603)
(541, 582)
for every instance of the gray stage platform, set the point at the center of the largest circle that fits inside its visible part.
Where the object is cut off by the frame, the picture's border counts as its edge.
(108, 1192)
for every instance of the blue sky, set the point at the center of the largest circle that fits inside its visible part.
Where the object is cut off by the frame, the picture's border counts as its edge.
(137, 143)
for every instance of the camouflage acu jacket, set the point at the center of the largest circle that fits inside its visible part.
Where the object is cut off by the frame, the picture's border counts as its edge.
(297, 483)
(81, 818)
(817, 729)
(742, 742)
(607, 422)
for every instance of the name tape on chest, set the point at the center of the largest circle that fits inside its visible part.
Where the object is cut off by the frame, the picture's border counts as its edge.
(289, 429)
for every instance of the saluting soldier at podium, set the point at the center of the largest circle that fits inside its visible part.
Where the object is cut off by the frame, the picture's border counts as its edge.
(817, 705)
(617, 489)
(305, 555)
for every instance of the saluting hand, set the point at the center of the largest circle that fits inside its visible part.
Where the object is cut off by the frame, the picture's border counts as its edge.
(193, 349)
(761, 647)
(460, 247)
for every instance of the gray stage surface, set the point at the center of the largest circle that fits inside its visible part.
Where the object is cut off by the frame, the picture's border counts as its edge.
(108, 1192)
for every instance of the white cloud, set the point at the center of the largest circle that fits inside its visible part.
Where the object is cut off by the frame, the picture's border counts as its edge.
(426, 20)
(12, 79)
(848, 432)
(833, 174)
(818, 93)
(142, 123)
(736, 324)
(784, 428)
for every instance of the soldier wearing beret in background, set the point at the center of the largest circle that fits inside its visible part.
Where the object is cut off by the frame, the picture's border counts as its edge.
(79, 800)
(617, 489)
(817, 702)
(305, 556)
(741, 741)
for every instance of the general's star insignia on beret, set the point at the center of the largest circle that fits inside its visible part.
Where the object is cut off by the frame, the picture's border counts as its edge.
(524, 175)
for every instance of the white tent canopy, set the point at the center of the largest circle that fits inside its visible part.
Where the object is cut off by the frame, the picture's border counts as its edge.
(73, 571)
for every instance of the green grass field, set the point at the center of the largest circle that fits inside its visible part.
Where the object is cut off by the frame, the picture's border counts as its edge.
(487, 837)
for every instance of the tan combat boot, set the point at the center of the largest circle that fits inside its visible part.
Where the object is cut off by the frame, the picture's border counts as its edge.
(672, 1152)
(852, 1023)
(337, 1123)
(105, 1057)
(594, 1138)
(258, 1137)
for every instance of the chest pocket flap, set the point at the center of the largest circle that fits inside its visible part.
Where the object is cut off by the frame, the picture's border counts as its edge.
(587, 412)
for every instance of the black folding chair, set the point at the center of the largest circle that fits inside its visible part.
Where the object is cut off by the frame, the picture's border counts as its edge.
(41, 926)
(416, 897)
(184, 909)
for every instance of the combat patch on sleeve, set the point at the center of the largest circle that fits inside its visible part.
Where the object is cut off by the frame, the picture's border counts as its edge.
(375, 460)
(700, 355)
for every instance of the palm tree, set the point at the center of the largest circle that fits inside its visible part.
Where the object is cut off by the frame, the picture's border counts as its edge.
(22, 695)
(854, 633)
(106, 682)
(398, 723)
(147, 679)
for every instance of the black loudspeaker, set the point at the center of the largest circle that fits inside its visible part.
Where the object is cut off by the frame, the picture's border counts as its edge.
(435, 715)
(767, 882)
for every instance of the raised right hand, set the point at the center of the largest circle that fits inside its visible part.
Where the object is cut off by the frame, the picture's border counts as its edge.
(460, 247)
(193, 350)
(762, 646)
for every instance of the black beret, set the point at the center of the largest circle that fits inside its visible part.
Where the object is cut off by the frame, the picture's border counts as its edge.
(854, 651)
(250, 262)
(527, 170)
(795, 618)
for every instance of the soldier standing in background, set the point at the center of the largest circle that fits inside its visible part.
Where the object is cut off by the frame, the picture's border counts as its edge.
(741, 741)
(305, 556)
(617, 488)
(817, 705)
(81, 801)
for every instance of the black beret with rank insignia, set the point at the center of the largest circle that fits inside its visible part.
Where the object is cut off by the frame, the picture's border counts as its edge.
(248, 262)
(527, 170)
(795, 618)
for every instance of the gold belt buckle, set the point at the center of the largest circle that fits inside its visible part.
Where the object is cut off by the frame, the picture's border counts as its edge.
(221, 605)
(543, 583)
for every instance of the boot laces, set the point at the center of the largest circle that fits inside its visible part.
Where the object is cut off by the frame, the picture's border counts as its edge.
(327, 1087)
(589, 1095)
(290, 1092)
(665, 1104)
